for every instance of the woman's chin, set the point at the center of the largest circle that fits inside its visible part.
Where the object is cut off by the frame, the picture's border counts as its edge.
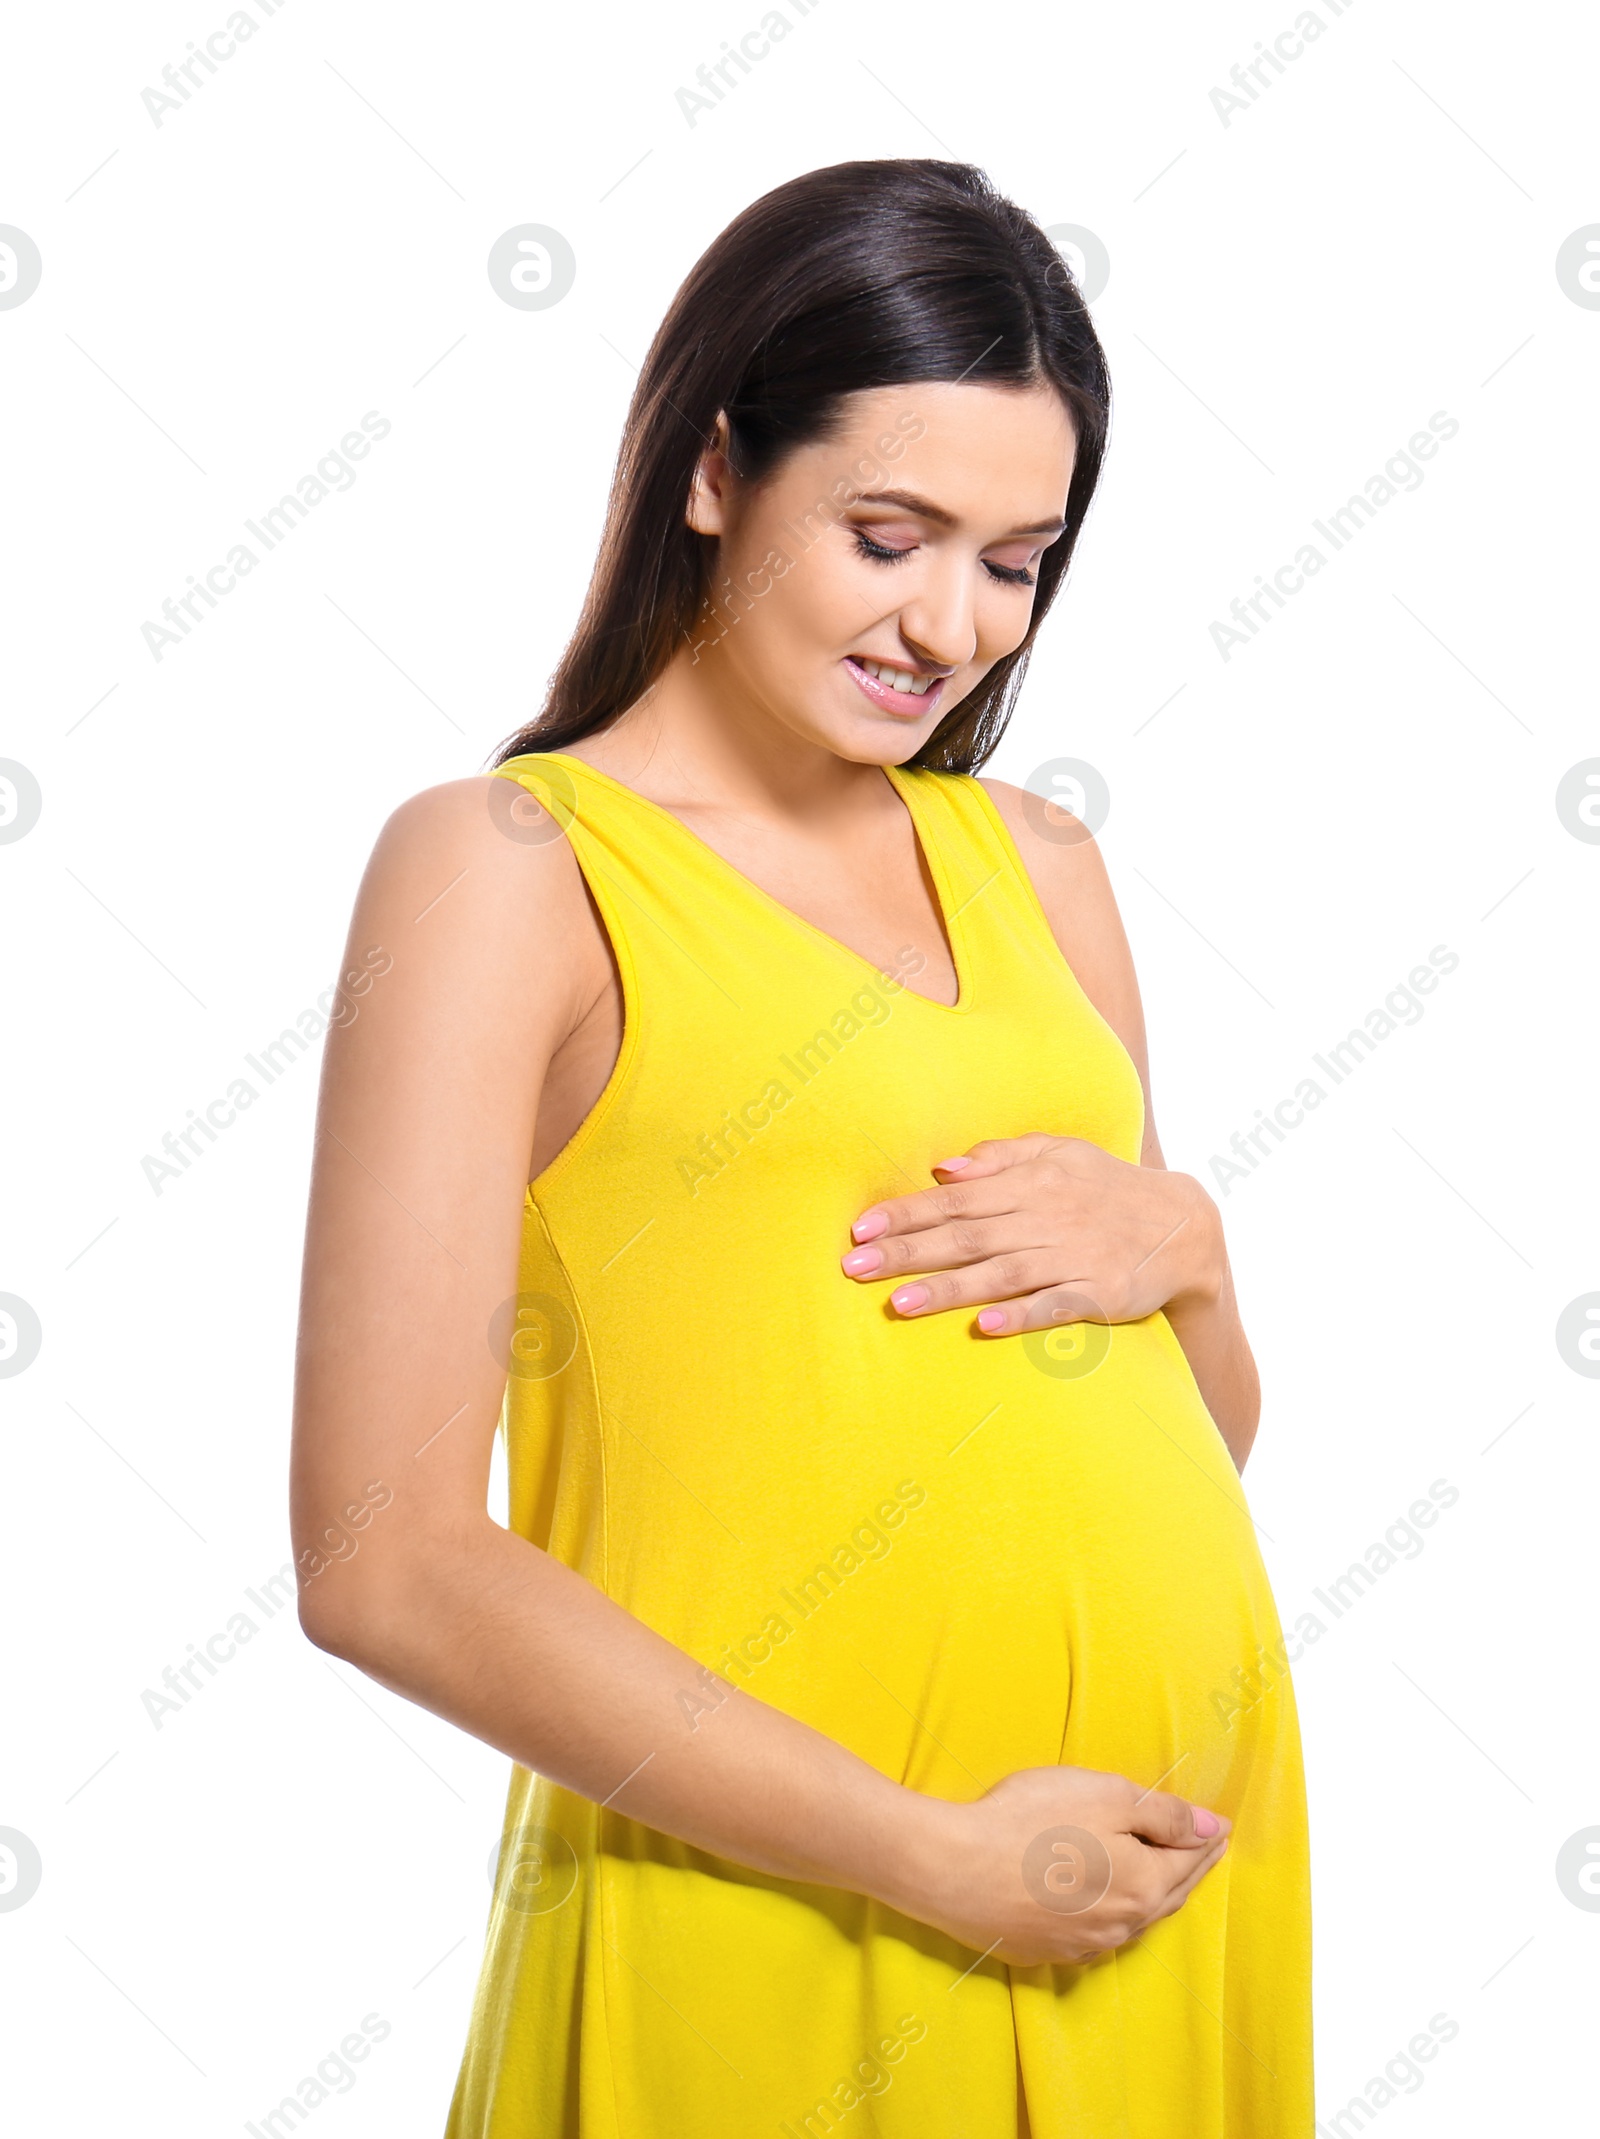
(854, 728)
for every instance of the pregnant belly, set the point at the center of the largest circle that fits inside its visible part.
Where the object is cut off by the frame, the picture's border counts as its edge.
(1001, 1555)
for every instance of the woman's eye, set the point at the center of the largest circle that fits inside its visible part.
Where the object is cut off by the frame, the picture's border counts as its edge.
(883, 553)
(879, 551)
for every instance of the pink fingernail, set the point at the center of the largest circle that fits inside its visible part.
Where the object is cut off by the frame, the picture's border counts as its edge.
(1206, 1823)
(909, 1298)
(949, 1165)
(991, 1319)
(861, 1262)
(869, 1225)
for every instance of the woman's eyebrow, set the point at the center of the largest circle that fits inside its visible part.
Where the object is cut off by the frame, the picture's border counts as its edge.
(925, 507)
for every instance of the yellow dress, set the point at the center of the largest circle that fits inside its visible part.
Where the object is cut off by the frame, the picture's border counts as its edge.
(956, 1555)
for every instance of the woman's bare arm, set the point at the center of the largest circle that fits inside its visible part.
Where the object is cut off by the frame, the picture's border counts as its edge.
(427, 1118)
(1068, 871)
(429, 1104)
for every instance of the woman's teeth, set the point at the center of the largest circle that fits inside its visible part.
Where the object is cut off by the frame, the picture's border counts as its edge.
(898, 679)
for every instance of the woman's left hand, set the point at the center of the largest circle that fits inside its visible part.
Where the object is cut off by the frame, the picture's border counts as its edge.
(1040, 1230)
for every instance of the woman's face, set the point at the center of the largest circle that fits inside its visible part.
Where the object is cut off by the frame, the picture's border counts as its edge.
(876, 577)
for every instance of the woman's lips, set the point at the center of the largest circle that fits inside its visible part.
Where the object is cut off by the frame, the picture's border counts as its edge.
(916, 705)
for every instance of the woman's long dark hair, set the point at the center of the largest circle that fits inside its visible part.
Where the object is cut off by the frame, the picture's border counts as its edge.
(861, 275)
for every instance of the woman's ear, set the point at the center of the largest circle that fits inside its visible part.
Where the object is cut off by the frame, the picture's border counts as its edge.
(712, 484)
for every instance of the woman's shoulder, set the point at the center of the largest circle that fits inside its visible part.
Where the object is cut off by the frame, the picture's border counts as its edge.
(493, 821)
(484, 821)
(477, 874)
(1040, 825)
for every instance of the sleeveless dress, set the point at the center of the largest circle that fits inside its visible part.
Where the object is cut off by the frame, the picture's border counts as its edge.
(957, 1556)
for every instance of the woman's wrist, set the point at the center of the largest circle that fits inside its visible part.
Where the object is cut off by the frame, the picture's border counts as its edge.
(911, 1855)
(1201, 1252)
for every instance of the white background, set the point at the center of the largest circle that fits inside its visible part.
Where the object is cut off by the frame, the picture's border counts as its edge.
(1291, 296)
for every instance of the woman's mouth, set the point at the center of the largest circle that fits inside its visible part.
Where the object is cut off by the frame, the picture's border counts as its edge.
(896, 690)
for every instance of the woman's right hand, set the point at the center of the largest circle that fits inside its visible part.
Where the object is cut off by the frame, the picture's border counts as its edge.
(1057, 1864)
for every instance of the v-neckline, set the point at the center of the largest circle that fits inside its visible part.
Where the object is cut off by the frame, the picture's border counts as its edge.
(948, 916)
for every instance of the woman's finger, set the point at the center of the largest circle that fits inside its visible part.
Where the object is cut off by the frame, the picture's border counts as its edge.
(978, 1196)
(935, 1206)
(993, 1154)
(996, 1278)
(1052, 1308)
(950, 1245)
(1162, 1879)
(1194, 1869)
(1173, 1822)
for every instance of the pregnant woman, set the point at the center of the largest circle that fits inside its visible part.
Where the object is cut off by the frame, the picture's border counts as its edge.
(754, 1120)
